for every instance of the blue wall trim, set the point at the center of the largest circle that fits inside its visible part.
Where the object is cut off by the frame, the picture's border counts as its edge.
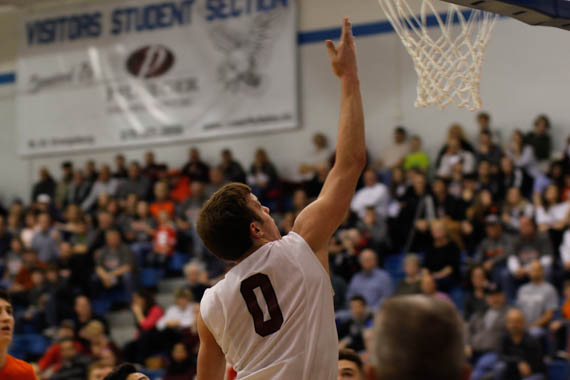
(315, 36)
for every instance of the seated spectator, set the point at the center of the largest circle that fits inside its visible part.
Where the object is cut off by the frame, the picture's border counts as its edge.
(262, 177)
(319, 156)
(442, 258)
(561, 326)
(74, 365)
(79, 188)
(217, 181)
(121, 171)
(45, 240)
(350, 332)
(60, 196)
(98, 371)
(151, 167)
(374, 229)
(339, 288)
(28, 231)
(350, 365)
(487, 180)
(515, 207)
(164, 241)
(520, 356)
(538, 300)
(495, 249)
(540, 139)
(314, 186)
(161, 202)
(429, 288)
(393, 155)
(475, 301)
(115, 264)
(84, 315)
(399, 185)
(232, 169)
(52, 359)
(135, 183)
(373, 194)
(488, 150)
(147, 314)
(195, 168)
(455, 131)
(196, 278)
(411, 284)
(23, 280)
(529, 246)
(565, 255)
(46, 185)
(141, 231)
(522, 154)
(372, 283)
(12, 262)
(187, 216)
(182, 365)
(455, 154)
(98, 341)
(105, 184)
(512, 177)
(416, 158)
(181, 315)
(485, 333)
(483, 120)
(551, 213)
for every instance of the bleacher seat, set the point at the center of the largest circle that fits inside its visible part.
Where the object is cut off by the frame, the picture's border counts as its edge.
(149, 277)
(558, 370)
(177, 262)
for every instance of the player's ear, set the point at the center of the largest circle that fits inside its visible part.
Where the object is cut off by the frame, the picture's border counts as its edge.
(255, 230)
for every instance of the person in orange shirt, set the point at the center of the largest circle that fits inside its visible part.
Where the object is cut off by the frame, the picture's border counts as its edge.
(10, 367)
(161, 203)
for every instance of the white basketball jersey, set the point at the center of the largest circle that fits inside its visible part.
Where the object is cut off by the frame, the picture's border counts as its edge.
(273, 314)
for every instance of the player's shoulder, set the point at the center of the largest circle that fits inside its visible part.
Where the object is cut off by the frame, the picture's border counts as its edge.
(17, 367)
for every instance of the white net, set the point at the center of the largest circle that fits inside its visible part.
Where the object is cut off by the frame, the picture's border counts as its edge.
(448, 64)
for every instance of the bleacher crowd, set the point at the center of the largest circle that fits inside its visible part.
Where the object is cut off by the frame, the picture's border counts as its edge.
(484, 225)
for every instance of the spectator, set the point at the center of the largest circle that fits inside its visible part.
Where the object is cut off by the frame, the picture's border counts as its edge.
(115, 265)
(313, 187)
(12, 262)
(5, 238)
(216, 182)
(394, 155)
(164, 241)
(428, 335)
(84, 315)
(105, 184)
(455, 131)
(495, 249)
(319, 156)
(195, 280)
(182, 365)
(551, 213)
(375, 230)
(350, 366)
(52, 359)
(147, 314)
(94, 333)
(151, 168)
(538, 300)
(514, 177)
(442, 258)
(560, 327)
(262, 176)
(520, 356)
(372, 283)
(195, 168)
(453, 155)
(475, 301)
(162, 202)
(373, 194)
(46, 185)
(141, 232)
(416, 158)
(79, 188)
(522, 154)
(91, 173)
(529, 246)
(540, 139)
(232, 169)
(121, 171)
(45, 240)
(181, 315)
(134, 183)
(411, 283)
(74, 365)
(483, 120)
(187, 216)
(98, 371)
(399, 185)
(339, 289)
(487, 180)
(514, 208)
(565, 255)
(488, 150)
(96, 237)
(485, 332)
(350, 332)
(429, 288)
(64, 184)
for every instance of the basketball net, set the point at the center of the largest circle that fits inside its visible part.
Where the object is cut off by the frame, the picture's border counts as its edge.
(448, 65)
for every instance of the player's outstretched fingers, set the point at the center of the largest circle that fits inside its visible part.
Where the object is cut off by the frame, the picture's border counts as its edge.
(346, 29)
(331, 48)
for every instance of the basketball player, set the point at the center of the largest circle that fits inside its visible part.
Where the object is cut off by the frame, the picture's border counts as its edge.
(10, 367)
(418, 337)
(272, 317)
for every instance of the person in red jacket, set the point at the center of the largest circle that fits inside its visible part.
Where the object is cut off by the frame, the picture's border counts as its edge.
(10, 367)
(52, 359)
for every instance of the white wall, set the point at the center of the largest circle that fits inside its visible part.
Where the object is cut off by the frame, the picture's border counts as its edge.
(525, 73)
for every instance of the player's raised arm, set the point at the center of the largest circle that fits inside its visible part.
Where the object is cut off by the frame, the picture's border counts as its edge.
(320, 219)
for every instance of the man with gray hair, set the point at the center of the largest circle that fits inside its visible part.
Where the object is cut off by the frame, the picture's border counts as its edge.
(373, 283)
(418, 337)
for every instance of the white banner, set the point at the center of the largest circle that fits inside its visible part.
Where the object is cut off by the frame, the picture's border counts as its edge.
(151, 71)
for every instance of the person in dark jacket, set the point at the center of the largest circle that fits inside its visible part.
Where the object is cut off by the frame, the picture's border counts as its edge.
(233, 171)
(540, 139)
(46, 185)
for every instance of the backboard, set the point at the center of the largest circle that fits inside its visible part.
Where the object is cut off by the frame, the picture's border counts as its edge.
(554, 13)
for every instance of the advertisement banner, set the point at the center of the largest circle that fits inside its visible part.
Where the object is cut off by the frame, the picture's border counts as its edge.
(145, 72)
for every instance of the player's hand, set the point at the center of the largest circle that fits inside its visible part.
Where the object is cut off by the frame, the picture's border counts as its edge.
(343, 56)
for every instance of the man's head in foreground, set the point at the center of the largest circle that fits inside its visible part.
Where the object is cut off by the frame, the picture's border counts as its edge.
(418, 337)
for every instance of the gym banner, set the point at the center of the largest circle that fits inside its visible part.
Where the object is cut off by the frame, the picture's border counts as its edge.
(130, 73)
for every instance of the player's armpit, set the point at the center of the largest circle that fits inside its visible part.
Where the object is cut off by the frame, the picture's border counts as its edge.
(211, 359)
